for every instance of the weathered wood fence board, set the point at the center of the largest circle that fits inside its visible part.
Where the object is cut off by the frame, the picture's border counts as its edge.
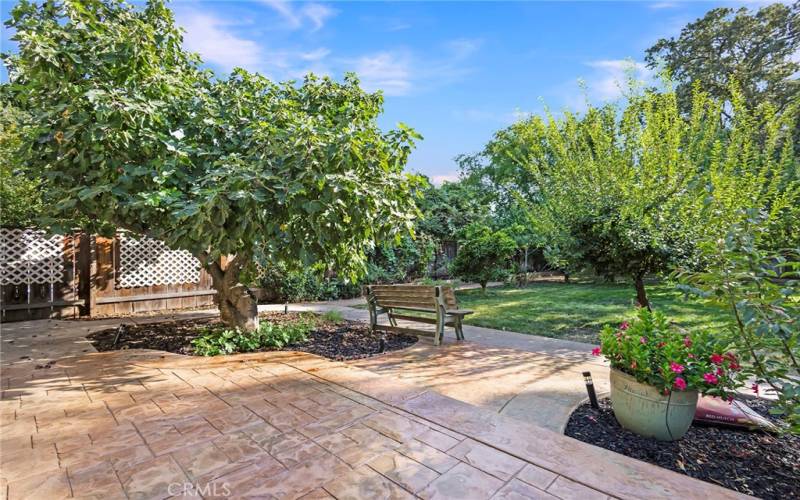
(92, 280)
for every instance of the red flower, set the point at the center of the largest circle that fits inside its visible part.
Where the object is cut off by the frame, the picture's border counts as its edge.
(755, 388)
(717, 359)
(734, 366)
(720, 371)
(679, 383)
(633, 365)
(661, 344)
(624, 325)
(710, 378)
(675, 367)
(687, 342)
(596, 351)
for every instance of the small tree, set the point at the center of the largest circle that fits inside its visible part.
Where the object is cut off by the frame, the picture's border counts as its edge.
(483, 255)
(127, 130)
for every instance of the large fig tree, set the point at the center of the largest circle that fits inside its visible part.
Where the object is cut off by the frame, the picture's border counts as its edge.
(127, 130)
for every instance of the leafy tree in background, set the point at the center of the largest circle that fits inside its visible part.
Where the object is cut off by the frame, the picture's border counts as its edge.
(126, 129)
(20, 200)
(449, 208)
(756, 50)
(483, 254)
(634, 191)
(613, 185)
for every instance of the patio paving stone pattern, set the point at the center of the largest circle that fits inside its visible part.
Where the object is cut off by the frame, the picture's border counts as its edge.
(144, 424)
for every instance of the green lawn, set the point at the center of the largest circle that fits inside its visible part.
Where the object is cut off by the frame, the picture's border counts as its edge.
(576, 311)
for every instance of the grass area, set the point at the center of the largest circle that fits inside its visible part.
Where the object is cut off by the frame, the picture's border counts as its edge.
(576, 311)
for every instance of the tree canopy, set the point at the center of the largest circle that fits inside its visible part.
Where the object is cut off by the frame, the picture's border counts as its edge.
(127, 129)
(755, 50)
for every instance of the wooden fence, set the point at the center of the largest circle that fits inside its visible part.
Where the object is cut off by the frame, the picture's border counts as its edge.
(85, 275)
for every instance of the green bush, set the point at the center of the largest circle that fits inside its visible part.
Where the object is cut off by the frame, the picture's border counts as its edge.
(270, 335)
(483, 255)
(305, 285)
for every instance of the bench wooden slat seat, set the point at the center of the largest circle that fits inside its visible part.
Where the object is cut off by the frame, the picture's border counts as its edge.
(438, 300)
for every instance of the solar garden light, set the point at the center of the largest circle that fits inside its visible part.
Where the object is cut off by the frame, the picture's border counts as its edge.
(587, 377)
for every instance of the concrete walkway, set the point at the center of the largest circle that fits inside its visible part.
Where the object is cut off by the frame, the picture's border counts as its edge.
(531, 378)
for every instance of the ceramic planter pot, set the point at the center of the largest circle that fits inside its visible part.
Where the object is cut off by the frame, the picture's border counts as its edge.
(642, 409)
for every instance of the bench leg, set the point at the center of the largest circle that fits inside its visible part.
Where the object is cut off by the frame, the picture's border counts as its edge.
(459, 328)
(392, 321)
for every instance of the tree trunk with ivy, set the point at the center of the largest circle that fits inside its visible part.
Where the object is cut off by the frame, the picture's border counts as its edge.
(237, 305)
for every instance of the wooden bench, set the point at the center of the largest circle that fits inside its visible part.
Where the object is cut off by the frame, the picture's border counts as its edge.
(438, 300)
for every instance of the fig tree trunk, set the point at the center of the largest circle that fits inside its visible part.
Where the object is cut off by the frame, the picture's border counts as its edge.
(237, 304)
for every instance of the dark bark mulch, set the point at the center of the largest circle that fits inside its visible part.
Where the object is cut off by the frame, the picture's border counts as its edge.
(751, 462)
(334, 340)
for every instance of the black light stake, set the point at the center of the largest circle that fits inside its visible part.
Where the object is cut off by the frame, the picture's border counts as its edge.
(587, 377)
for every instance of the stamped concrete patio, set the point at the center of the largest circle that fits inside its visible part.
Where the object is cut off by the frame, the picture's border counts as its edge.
(146, 424)
(528, 377)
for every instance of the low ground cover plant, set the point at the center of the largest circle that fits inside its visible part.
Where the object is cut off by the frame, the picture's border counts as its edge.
(215, 341)
(656, 353)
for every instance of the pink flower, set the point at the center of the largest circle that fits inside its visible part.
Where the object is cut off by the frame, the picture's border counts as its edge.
(624, 325)
(675, 367)
(679, 383)
(690, 356)
(729, 399)
(643, 340)
(710, 378)
(717, 359)
(720, 371)
(596, 351)
(687, 342)
(755, 388)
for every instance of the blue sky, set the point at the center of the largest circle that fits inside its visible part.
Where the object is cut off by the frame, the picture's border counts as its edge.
(455, 71)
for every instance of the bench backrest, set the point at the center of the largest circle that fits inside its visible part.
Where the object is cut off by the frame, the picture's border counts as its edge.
(412, 296)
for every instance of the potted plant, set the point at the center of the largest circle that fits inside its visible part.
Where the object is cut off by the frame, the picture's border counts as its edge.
(657, 373)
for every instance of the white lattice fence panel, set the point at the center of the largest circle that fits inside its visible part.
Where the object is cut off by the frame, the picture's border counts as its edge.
(147, 262)
(28, 256)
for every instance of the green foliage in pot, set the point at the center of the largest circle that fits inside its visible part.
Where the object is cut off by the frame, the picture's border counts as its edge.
(655, 353)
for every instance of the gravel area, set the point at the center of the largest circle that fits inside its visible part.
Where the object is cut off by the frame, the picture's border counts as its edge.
(751, 462)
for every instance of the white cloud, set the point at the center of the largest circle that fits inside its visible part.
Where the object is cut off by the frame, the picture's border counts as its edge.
(387, 71)
(663, 5)
(461, 48)
(438, 180)
(317, 14)
(211, 37)
(610, 77)
(314, 13)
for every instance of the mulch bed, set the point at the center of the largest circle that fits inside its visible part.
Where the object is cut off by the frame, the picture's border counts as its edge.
(339, 341)
(752, 462)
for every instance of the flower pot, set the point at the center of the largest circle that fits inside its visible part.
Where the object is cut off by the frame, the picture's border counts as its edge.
(643, 409)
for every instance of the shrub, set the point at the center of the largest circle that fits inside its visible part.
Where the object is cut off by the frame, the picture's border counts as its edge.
(483, 255)
(269, 335)
(305, 285)
(651, 350)
(334, 317)
(761, 292)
